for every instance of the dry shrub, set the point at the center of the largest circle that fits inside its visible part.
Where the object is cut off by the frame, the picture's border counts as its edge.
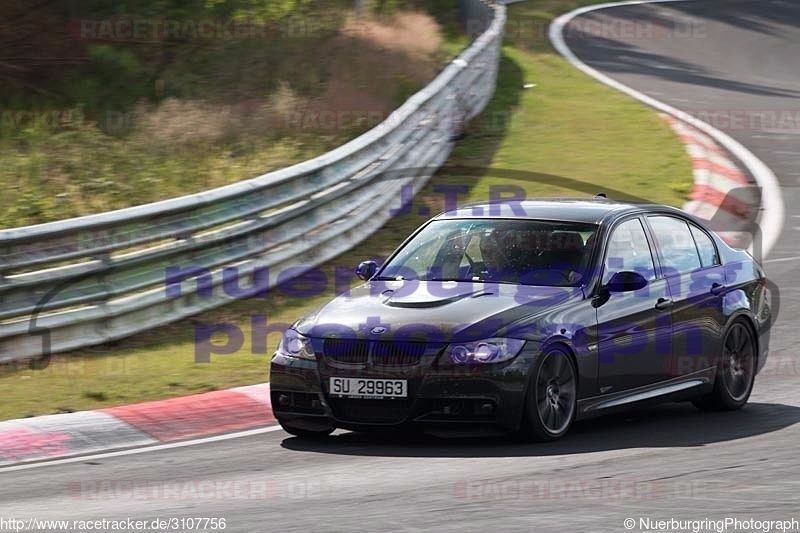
(375, 63)
(366, 64)
(414, 33)
(182, 123)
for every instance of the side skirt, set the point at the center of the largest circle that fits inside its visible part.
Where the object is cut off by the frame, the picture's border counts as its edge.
(676, 389)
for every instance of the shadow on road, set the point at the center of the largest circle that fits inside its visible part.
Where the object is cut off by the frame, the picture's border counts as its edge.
(658, 54)
(617, 57)
(668, 426)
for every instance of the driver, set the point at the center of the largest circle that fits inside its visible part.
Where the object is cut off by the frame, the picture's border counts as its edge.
(495, 249)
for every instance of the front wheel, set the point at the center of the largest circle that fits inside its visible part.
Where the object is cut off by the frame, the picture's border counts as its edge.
(551, 399)
(735, 371)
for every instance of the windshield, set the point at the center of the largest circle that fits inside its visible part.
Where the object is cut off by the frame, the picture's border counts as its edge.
(529, 252)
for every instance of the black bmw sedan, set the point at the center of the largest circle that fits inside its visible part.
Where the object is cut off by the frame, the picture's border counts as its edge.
(525, 316)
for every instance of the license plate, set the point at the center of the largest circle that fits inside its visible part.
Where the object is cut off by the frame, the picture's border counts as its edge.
(368, 388)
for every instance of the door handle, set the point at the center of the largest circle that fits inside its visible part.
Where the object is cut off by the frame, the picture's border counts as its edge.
(663, 304)
(717, 289)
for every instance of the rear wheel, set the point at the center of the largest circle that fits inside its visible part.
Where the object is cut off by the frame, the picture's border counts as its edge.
(735, 371)
(551, 400)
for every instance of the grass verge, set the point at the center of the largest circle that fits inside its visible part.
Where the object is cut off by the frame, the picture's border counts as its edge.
(566, 125)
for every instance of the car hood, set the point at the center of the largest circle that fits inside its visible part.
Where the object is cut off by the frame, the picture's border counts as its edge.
(446, 311)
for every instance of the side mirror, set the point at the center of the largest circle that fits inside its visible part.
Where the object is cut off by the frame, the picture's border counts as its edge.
(626, 281)
(366, 269)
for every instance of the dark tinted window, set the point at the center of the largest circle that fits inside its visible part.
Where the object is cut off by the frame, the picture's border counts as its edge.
(676, 244)
(628, 250)
(705, 245)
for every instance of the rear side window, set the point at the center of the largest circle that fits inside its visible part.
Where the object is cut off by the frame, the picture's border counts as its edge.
(705, 246)
(675, 241)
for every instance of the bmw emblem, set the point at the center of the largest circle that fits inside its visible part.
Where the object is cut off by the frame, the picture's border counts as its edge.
(377, 330)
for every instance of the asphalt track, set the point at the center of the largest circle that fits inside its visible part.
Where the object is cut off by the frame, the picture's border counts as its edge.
(662, 463)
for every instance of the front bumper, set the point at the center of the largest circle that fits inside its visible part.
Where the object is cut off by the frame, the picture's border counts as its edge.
(441, 395)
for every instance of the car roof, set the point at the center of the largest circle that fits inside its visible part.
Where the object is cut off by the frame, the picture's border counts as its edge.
(587, 210)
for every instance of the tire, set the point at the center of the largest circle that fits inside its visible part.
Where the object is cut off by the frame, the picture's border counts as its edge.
(303, 433)
(551, 399)
(735, 371)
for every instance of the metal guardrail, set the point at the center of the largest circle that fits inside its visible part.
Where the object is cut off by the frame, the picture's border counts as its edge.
(94, 279)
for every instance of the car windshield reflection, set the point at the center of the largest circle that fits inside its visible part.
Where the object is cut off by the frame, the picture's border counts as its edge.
(527, 252)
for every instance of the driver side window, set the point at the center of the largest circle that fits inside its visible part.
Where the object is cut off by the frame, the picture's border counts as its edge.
(628, 250)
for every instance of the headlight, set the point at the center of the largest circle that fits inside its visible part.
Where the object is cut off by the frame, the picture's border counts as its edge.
(293, 344)
(484, 351)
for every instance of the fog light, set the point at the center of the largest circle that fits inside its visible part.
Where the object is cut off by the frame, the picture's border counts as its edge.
(486, 409)
(284, 400)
